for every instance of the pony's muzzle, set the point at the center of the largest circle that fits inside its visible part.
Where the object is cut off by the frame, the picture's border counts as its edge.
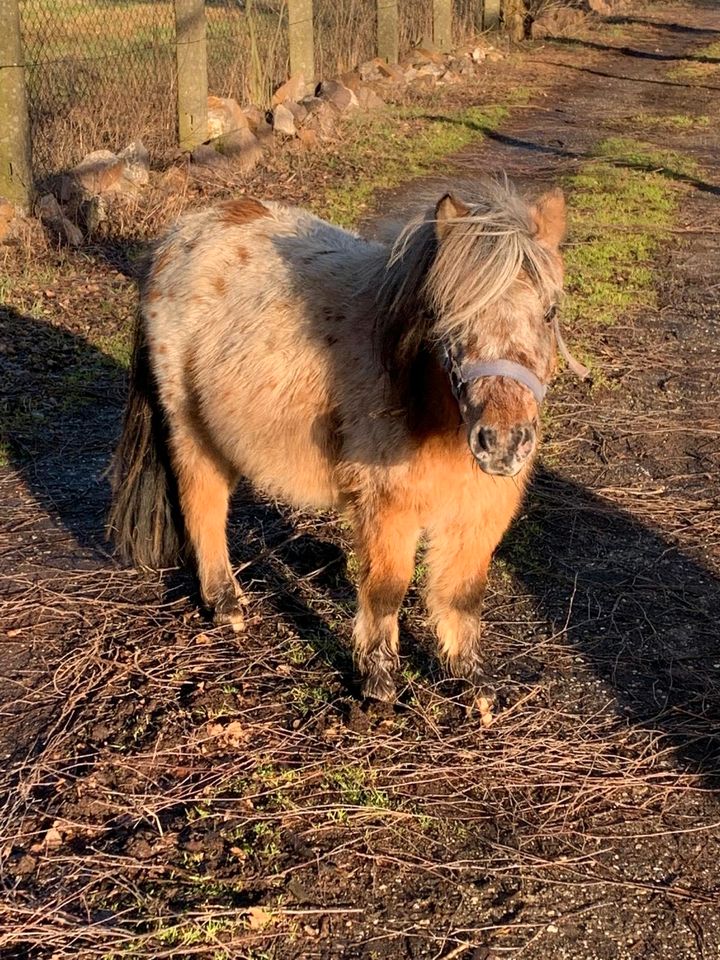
(501, 451)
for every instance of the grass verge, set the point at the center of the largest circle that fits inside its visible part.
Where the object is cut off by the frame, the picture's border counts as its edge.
(393, 147)
(622, 202)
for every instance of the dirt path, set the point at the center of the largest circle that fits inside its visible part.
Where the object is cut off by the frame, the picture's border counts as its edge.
(175, 792)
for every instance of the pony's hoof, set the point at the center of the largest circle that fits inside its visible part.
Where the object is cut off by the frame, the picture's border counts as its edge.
(234, 618)
(229, 611)
(481, 687)
(379, 686)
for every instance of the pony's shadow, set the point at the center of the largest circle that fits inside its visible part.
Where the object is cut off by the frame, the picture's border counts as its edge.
(60, 411)
(643, 615)
(640, 612)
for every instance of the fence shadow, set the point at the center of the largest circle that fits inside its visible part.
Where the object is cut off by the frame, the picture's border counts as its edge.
(628, 21)
(534, 146)
(641, 614)
(593, 72)
(633, 52)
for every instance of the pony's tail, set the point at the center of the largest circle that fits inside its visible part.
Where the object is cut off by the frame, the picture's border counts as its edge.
(144, 518)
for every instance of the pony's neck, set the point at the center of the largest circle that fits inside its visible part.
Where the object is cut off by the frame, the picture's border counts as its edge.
(403, 320)
(432, 410)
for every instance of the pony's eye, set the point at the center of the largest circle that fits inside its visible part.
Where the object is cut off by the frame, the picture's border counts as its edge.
(550, 313)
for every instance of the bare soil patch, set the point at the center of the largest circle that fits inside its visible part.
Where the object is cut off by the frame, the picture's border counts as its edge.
(172, 791)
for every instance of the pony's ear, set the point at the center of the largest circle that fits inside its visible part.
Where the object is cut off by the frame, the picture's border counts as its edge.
(549, 215)
(448, 209)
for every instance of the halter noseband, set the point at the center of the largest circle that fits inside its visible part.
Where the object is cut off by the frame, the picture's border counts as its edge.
(463, 372)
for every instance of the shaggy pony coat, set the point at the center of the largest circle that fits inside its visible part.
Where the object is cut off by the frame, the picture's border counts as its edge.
(275, 346)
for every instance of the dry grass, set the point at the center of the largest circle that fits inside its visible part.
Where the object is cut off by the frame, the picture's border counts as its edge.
(167, 771)
(170, 791)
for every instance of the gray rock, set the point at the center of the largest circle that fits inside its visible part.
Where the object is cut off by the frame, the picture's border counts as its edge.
(224, 114)
(207, 156)
(340, 96)
(323, 120)
(257, 122)
(283, 121)
(392, 71)
(431, 70)
(293, 89)
(94, 214)
(52, 216)
(370, 70)
(311, 103)
(100, 172)
(369, 99)
(137, 163)
(242, 148)
(298, 110)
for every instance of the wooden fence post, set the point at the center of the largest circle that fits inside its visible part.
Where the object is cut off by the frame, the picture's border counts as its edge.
(15, 156)
(442, 24)
(387, 30)
(191, 56)
(491, 14)
(300, 28)
(513, 16)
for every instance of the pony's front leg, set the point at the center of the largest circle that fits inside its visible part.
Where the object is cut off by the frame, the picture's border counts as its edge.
(458, 560)
(385, 542)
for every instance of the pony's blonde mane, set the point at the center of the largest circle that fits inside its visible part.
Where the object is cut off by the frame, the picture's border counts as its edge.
(437, 290)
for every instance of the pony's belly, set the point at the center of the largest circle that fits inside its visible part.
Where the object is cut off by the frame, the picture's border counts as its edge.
(286, 457)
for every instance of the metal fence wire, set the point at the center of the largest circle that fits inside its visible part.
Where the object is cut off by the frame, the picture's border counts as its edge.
(100, 73)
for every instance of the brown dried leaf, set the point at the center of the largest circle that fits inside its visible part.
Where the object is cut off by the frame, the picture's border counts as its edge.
(259, 917)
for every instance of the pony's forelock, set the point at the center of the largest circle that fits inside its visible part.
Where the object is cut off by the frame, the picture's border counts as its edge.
(447, 284)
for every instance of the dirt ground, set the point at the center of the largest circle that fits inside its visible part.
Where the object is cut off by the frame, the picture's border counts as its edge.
(172, 791)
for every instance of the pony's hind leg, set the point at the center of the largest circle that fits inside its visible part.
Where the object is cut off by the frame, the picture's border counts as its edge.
(204, 487)
(385, 542)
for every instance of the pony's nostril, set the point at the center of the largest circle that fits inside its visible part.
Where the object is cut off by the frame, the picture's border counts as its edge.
(525, 442)
(485, 439)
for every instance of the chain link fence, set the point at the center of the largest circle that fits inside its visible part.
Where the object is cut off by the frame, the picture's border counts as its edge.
(100, 73)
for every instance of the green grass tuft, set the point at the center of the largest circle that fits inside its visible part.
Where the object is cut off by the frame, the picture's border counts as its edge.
(410, 142)
(698, 66)
(620, 205)
(672, 121)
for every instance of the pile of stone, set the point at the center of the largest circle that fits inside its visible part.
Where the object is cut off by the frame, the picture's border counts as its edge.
(562, 21)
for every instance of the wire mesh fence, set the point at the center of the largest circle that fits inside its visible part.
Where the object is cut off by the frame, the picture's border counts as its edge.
(100, 73)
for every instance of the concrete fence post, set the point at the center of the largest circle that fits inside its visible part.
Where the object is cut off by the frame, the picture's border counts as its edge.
(300, 29)
(15, 156)
(442, 24)
(387, 30)
(191, 56)
(491, 14)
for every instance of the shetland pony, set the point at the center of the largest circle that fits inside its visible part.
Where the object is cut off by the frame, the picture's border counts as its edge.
(398, 383)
